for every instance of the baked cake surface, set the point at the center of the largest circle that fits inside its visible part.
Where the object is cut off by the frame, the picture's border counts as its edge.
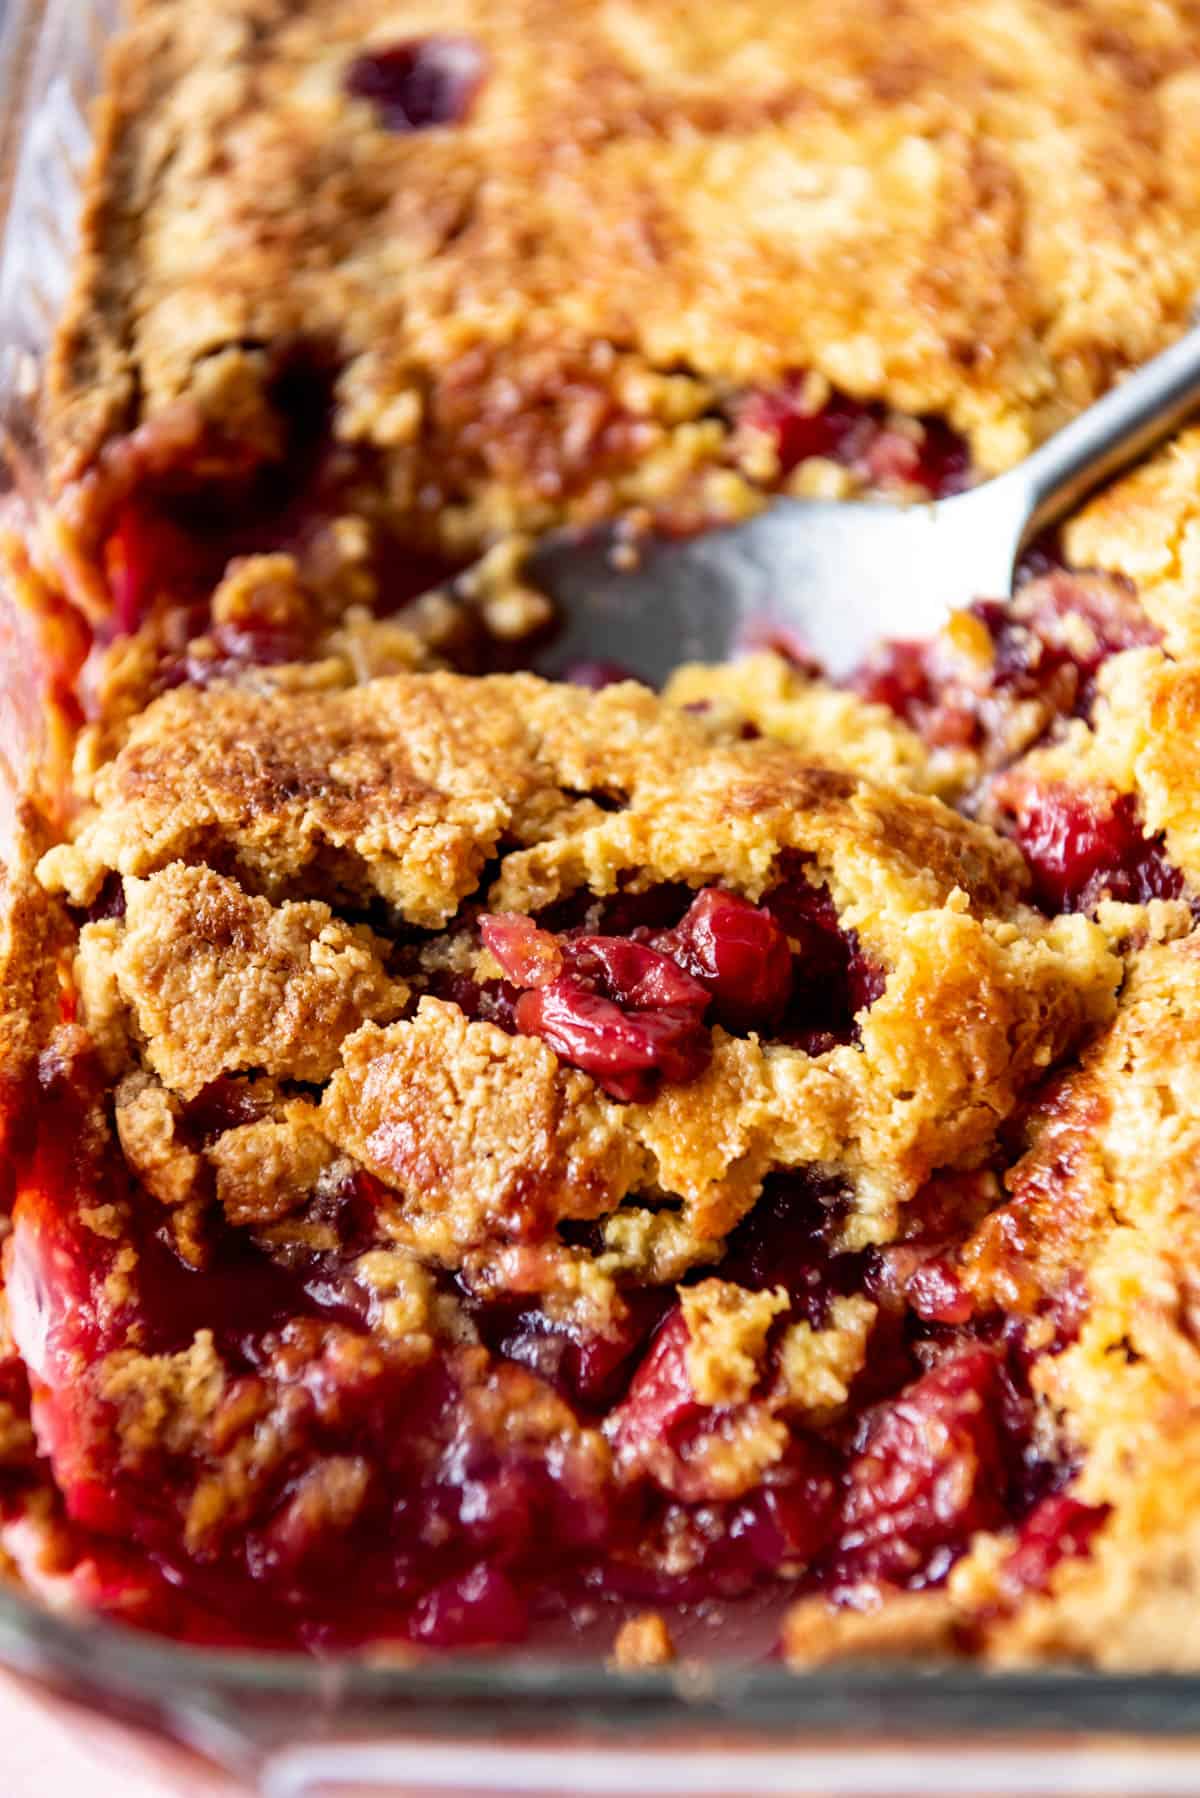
(617, 234)
(485, 1151)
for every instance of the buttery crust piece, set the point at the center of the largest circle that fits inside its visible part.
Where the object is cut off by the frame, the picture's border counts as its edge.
(481, 1134)
(985, 214)
(216, 980)
(405, 789)
(823, 723)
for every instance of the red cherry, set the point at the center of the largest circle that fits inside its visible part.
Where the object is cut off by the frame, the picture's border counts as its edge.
(739, 954)
(428, 81)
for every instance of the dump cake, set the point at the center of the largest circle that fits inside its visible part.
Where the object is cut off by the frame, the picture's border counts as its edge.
(495, 1160)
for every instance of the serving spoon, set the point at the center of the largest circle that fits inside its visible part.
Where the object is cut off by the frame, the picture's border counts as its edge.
(839, 575)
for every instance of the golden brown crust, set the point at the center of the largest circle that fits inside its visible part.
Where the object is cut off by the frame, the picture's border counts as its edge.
(823, 723)
(480, 1133)
(900, 1626)
(988, 217)
(643, 1641)
(214, 980)
(267, 1169)
(405, 788)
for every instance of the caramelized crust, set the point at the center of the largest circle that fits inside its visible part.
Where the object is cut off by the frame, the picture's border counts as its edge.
(215, 981)
(405, 787)
(479, 1133)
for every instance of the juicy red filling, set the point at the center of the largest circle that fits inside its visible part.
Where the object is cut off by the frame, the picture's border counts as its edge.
(633, 1010)
(1060, 1528)
(739, 954)
(622, 1012)
(145, 553)
(832, 980)
(858, 436)
(1035, 649)
(1087, 844)
(414, 86)
(453, 1521)
(466, 1539)
(589, 1368)
(929, 1468)
(1046, 646)
(786, 1241)
(182, 510)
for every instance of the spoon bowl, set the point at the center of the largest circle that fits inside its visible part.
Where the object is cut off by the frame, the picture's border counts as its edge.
(837, 577)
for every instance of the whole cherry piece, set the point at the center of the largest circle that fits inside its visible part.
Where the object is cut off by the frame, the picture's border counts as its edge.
(1086, 844)
(620, 1010)
(929, 1471)
(413, 86)
(739, 953)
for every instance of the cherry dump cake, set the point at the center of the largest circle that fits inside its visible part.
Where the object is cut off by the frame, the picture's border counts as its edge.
(493, 1160)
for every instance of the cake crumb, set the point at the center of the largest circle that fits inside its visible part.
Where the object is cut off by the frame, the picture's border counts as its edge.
(643, 1641)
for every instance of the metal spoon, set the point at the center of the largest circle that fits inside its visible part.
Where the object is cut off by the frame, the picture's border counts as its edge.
(840, 575)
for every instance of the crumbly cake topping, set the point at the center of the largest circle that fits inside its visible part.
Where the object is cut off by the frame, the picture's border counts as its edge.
(214, 981)
(477, 1133)
(446, 1000)
(824, 724)
(988, 214)
(407, 790)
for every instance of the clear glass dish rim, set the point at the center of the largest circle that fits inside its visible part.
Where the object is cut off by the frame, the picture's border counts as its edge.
(929, 1697)
(159, 1679)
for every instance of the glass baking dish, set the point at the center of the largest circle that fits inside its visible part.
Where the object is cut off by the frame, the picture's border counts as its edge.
(505, 1724)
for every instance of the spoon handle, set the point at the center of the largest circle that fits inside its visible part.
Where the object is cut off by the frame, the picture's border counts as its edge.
(1139, 412)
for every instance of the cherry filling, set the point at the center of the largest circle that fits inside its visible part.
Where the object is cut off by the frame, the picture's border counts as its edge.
(1059, 1528)
(592, 1369)
(739, 954)
(1044, 650)
(623, 1012)
(460, 1536)
(858, 436)
(177, 511)
(833, 981)
(632, 1010)
(1039, 643)
(1087, 844)
(666, 1434)
(448, 1517)
(929, 1468)
(413, 86)
(144, 554)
